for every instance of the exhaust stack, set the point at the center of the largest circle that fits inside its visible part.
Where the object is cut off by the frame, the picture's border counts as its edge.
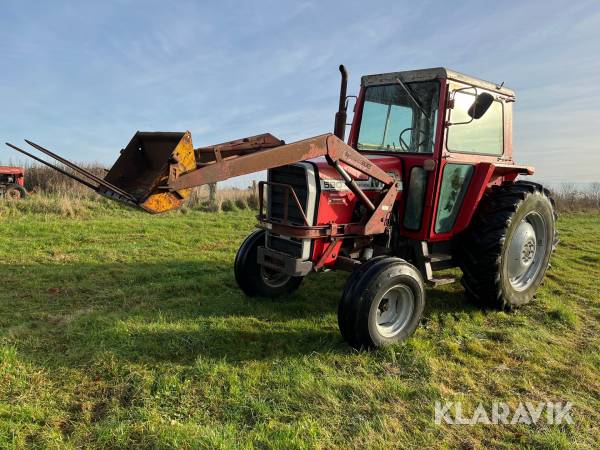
(340, 117)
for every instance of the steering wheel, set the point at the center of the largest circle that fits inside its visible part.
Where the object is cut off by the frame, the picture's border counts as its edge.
(404, 146)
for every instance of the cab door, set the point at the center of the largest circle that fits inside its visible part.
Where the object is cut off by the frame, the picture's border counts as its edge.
(468, 148)
(420, 179)
(388, 122)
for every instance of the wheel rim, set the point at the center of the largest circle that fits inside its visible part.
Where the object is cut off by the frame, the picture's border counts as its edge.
(526, 251)
(273, 278)
(394, 310)
(14, 194)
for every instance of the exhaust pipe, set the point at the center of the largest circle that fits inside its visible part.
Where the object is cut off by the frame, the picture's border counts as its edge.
(340, 117)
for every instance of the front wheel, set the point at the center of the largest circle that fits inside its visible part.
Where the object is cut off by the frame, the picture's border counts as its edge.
(256, 280)
(383, 306)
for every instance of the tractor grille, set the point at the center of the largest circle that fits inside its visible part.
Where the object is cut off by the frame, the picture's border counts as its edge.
(296, 176)
(289, 246)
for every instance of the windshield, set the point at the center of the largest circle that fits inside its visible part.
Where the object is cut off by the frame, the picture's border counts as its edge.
(399, 121)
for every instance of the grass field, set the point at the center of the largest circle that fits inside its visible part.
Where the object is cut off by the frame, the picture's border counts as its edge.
(119, 329)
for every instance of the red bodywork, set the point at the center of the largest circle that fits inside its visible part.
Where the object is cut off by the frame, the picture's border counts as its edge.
(18, 172)
(337, 204)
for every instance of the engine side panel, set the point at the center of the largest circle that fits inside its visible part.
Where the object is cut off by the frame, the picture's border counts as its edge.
(337, 204)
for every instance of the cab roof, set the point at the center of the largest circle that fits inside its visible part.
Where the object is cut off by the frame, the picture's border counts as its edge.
(432, 74)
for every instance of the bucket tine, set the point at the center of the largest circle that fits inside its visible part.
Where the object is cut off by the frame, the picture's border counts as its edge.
(58, 169)
(84, 172)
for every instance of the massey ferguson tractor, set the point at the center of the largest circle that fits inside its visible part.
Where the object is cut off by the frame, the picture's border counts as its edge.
(12, 183)
(425, 182)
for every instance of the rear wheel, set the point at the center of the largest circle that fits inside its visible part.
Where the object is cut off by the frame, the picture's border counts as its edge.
(383, 305)
(15, 192)
(256, 280)
(506, 251)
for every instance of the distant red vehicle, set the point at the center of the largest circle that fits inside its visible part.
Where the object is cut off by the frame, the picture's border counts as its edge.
(12, 182)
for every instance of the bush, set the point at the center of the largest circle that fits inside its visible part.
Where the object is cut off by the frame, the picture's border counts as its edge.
(195, 200)
(61, 205)
(44, 179)
(228, 205)
(569, 198)
(207, 206)
(252, 200)
(240, 203)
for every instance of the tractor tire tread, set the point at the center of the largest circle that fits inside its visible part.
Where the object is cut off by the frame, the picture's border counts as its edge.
(482, 244)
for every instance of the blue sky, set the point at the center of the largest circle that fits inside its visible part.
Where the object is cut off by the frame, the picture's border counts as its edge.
(82, 76)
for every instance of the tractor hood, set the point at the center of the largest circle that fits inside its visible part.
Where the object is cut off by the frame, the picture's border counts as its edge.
(331, 180)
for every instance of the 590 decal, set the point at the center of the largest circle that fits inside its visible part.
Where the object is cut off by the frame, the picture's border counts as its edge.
(366, 185)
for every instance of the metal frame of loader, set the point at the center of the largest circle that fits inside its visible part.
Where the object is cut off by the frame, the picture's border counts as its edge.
(257, 153)
(336, 153)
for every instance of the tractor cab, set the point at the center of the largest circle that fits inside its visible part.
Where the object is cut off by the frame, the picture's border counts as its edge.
(446, 129)
(400, 112)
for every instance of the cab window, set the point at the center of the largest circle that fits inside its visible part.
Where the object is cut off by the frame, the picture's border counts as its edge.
(399, 118)
(483, 136)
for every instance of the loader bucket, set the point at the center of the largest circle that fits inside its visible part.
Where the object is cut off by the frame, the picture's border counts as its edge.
(144, 167)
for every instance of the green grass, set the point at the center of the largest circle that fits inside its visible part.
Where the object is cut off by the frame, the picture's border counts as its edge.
(119, 329)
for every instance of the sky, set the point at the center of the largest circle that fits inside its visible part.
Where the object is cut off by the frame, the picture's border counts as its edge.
(80, 77)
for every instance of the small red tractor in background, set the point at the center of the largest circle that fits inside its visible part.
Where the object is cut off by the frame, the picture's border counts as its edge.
(426, 181)
(12, 182)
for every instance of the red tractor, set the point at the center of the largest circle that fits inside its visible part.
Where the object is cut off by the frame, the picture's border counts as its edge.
(425, 182)
(12, 182)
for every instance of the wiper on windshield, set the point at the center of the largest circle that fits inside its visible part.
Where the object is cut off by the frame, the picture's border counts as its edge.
(411, 96)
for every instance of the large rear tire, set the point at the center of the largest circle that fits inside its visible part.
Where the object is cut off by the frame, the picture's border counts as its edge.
(15, 192)
(383, 304)
(506, 250)
(256, 280)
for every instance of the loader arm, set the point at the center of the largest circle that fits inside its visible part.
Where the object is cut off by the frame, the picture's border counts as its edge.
(157, 170)
(262, 158)
(258, 153)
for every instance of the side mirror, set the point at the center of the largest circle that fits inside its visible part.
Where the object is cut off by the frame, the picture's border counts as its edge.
(480, 106)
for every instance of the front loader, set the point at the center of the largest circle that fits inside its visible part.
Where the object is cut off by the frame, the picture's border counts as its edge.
(425, 182)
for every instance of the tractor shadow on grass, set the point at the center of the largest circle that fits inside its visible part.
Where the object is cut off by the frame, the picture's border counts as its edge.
(180, 312)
